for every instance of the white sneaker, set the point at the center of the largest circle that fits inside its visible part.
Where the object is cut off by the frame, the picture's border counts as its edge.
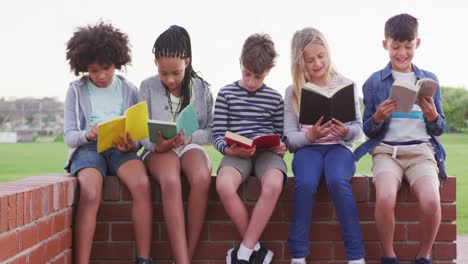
(298, 261)
(261, 256)
(357, 261)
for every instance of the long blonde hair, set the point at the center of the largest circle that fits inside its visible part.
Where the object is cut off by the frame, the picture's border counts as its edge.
(300, 41)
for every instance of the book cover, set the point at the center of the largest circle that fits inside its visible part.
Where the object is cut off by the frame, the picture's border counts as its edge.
(187, 121)
(133, 121)
(407, 95)
(316, 103)
(265, 141)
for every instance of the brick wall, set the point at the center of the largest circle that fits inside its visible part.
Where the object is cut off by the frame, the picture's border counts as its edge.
(36, 220)
(35, 224)
(113, 242)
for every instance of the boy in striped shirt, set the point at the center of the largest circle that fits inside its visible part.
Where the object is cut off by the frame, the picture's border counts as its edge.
(250, 108)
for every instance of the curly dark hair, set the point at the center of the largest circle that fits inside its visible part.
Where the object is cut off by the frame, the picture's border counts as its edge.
(102, 44)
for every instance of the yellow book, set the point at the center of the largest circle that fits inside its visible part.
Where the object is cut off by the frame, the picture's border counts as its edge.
(135, 121)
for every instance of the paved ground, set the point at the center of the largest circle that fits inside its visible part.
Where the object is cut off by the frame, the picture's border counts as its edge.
(462, 249)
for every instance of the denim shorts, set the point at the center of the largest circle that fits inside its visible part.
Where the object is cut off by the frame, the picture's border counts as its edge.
(107, 162)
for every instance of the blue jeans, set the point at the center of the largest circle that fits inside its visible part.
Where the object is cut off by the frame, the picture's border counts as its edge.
(336, 163)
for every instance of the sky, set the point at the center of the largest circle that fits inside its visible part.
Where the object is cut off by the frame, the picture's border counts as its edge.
(34, 35)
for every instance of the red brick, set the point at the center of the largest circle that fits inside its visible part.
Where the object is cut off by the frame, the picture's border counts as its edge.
(27, 207)
(65, 240)
(210, 250)
(407, 211)
(34, 205)
(406, 250)
(52, 248)
(12, 211)
(447, 232)
(278, 249)
(448, 191)
(112, 251)
(9, 245)
(359, 185)
(444, 251)
(3, 213)
(325, 232)
(275, 231)
(366, 211)
(111, 189)
(59, 260)
(102, 232)
(19, 209)
(59, 223)
(223, 232)
(19, 260)
(37, 256)
(161, 250)
(253, 189)
(216, 212)
(449, 212)
(58, 201)
(115, 212)
(44, 229)
(321, 251)
(122, 232)
(27, 237)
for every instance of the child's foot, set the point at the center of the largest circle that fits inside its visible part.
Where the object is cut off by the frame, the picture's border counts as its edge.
(387, 260)
(422, 261)
(298, 261)
(357, 261)
(140, 260)
(231, 257)
(261, 256)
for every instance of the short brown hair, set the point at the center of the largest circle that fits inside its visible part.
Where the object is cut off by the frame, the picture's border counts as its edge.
(402, 27)
(101, 43)
(258, 53)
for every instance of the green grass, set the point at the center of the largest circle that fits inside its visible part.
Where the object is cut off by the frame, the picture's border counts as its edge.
(28, 159)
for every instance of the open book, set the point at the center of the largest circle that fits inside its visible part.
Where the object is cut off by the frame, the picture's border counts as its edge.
(407, 95)
(134, 121)
(265, 141)
(187, 120)
(316, 103)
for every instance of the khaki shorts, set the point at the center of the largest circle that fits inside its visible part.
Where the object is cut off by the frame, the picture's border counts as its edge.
(258, 164)
(413, 162)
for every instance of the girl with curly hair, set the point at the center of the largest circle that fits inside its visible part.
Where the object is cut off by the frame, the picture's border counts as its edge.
(100, 95)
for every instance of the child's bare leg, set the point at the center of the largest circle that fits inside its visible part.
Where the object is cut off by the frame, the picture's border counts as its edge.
(386, 188)
(90, 182)
(426, 190)
(165, 168)
(133, 175)
(227, 183)
(272, 183)
(197, 169)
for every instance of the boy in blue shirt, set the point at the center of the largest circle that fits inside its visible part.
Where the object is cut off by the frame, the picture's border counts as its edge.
(250, 108)
(403, 144)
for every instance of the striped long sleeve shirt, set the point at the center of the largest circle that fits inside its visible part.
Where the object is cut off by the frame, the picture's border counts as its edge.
(246, 113)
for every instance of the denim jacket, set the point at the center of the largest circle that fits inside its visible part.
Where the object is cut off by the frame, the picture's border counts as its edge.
(376, 90)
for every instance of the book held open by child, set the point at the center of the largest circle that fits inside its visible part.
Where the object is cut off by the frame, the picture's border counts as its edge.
(315, 102)
(187, 120)
(133, 121)
(407, 95)
(265, 141)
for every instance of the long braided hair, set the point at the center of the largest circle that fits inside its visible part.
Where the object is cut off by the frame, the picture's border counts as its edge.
(175, 43)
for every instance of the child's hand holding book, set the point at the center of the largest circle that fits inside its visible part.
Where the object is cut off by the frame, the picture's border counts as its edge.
(165, 145)
(239, 151)
(125, 144)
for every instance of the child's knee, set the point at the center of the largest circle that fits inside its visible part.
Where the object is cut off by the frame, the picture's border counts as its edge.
(386, 202)
(430, 206)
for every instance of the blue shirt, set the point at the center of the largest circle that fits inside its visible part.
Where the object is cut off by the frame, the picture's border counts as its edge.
(376, 90)
(106, 103)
